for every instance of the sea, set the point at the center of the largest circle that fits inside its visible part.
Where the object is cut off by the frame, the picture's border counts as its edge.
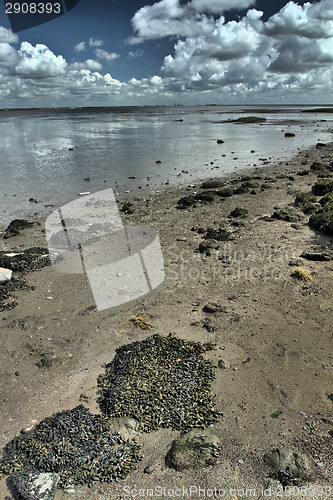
(49, 156)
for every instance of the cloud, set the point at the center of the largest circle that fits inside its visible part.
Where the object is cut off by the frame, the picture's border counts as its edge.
(108, 56)
(7, 36)
(134, 54)
(38, 62)
(309, 20)
(219, 6)
(80, 47)
(93, 42)
(8, 55)
(88, 64)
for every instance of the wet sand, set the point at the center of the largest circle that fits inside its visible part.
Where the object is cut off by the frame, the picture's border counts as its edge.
(275, 331)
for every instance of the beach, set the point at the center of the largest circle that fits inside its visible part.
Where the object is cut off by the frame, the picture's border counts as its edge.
(273, 332)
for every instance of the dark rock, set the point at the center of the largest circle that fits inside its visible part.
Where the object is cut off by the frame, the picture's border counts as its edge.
(87, 179)
(225, 192)
(199, 230)
(219, 234)
(212, 184)
(208, 197)
(31, 485)
(295, 263)
(318, 252)
(127, 208)
(318, 166)
(241, 189)
(289, 214)
(302, 173)
(328, 198)
(219, 141)
(239, 212)
(194, 450)
(212, 308)
(289, 134)
(186, 201)
(13, 229)
(320, 145)
(306, 202)
(322, 187)
(206, 246)
(223, 364)
(289, 466)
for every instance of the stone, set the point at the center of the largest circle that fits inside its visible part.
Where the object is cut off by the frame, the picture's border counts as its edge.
(289, 214)
(225, 192)
(194, 450)
(296, 263)
(186, 201)
(289, 134)
(212, 184)
(239, 212)
(289, 466)
(31, 485)
(212, 308)
(219, 141)
(318, 166)
(5, 275)
(223, 364)
(206, 246)
(323, 186)
(13, 229)
(318, 252)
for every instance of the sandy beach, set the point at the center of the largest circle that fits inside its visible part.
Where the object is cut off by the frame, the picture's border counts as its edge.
(273, 332)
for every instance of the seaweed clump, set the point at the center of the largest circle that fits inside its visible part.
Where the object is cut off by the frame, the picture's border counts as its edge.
(75, 444)
(161, 382)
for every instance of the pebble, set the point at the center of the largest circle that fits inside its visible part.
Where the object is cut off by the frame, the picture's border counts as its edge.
(5, 275)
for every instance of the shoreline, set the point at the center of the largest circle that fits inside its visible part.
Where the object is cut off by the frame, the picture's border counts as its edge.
(268, 317)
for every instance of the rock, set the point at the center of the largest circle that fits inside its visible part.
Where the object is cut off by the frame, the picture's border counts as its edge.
(225, 192)
(149, 469)
(186, 201)
(219, 141)
(212, 184)
(243, 188)
(126, 426)
(239, 212)
(212, 308)
(323, 219)
(289, 214)
(223, 364)
(320, 145)
(13, 229)
(289, 466)
(206, 246)
(289, 134)
(295, 262)
(87, 179)
(302, 173)
(34, 485)
(306, 202)
(208, 197)
(219, 234)
(127, 208)
(318, 166)
(194, 450)
(5, 275)
(323, 186)
(318, 252)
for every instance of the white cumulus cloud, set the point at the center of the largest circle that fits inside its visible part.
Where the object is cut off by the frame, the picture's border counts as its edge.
(80, 47)
(7, 36)
(93, 42)
(108, 56)
(38, 62)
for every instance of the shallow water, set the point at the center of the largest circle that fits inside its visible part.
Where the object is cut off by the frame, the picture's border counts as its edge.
(46, 156)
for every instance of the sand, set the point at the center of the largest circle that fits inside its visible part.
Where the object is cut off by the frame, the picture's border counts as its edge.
(273, 332)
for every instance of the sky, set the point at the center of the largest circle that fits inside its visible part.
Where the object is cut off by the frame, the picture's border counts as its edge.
(137, 52)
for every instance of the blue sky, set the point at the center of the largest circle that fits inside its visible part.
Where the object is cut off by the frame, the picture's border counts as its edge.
(126, 52)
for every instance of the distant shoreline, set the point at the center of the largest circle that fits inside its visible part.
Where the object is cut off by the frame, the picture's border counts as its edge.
(129, 109)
